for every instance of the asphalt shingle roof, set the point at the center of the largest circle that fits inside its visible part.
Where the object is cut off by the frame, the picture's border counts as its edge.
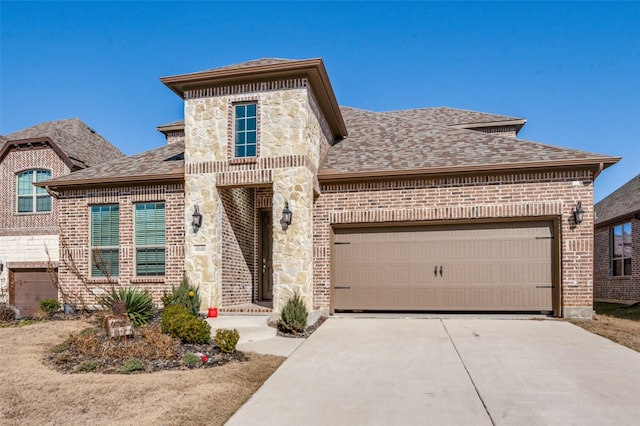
(167, 160)
(383, 142)
(450, 116)
(622, 202)
(83, 146)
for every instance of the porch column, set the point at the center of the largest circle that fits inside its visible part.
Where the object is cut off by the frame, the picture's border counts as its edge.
(293, 247)
(203, 249)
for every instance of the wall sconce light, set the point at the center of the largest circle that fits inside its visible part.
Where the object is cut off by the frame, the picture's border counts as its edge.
(286, 216)
(1, 265)
(578, 213)
(196, 223)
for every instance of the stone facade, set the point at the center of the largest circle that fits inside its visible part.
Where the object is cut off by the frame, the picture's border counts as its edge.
(624, 288)
(291, 143)
(74, 214)
(446, 200)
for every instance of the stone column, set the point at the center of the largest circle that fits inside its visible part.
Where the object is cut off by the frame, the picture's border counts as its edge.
(293, 248)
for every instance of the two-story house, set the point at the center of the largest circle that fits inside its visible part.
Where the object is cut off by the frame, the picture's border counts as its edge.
(29, 239)
(268, 187)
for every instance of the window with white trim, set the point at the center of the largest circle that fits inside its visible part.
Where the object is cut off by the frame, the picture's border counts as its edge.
(105, 240)
(246, 130)
(30, 198)
(621, 250)
(150, 239)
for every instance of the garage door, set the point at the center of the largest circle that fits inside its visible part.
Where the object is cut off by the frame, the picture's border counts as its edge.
(30, 287)
(486, 267)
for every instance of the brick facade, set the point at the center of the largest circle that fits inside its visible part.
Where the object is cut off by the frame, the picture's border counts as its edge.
(446, 200)
(625, 288)
(74, 217)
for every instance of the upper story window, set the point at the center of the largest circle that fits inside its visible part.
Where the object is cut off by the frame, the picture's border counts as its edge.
(31, 199)
(245, 130)
(150, 239)
(105, 241)
(621, 250)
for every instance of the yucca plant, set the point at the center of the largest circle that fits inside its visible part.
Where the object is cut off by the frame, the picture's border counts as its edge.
(138, 304)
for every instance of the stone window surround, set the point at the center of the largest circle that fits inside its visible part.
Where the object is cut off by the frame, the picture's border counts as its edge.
(612, 259)
(34, 194)
(233, 101)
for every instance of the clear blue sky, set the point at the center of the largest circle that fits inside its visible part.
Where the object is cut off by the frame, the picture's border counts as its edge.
(572, 69)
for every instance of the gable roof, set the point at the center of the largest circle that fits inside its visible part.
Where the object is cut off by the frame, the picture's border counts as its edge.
(621, 204)
(160, 164)
(384, 144)
(78, 144)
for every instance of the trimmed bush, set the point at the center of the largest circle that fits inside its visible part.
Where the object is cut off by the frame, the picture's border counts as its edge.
(192, 360)
(138, 304)
(49, 306)
(294, 316)
(227, 340)
(179, 323)
(132, 364)
(186, 295)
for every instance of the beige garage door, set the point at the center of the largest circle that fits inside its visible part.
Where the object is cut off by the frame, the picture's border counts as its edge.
(30, 287)
(486, 267)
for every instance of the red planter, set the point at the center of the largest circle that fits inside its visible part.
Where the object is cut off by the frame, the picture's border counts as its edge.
(213, 312)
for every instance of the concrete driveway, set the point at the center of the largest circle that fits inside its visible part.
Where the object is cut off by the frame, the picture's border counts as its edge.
(405, 371)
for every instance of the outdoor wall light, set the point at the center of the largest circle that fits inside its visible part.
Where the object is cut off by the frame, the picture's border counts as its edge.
(1, 265)
(196, 223)
(286, 216)
(578, 213)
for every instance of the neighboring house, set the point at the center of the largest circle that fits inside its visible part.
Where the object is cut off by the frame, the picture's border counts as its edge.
(434, 209)
(617, 245)
(28, 214)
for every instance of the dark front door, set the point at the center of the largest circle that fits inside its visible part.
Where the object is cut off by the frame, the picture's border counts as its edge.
(266, 265)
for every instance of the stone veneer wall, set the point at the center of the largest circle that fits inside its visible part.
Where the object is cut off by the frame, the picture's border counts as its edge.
(506, 196)
(238, 234)
(74, 217)
(292, 137)
(607, 287)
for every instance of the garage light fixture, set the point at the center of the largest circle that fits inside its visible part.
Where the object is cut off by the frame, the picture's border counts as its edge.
(1, 265)
(578, 213)
(286, 216)
(196, 223)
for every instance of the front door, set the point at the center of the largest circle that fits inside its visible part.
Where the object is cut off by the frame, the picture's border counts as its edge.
(266, 244)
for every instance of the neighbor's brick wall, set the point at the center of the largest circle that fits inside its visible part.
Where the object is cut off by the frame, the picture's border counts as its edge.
(18, 160)
(607, 287)
(238, 241)
(506, 196)
(74, 235)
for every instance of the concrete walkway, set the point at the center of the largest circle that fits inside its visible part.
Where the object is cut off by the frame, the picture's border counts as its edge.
(406, 371)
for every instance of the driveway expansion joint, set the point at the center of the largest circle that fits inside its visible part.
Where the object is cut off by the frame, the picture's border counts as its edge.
(467, 371)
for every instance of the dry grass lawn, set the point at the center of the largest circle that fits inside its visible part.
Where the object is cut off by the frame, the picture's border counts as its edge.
(33, 394)
(623, 331)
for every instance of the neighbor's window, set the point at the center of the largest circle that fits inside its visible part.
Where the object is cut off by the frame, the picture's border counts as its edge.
(32, 199)
(621, 250)
(246, 133)
(150, 239)
(105, 240)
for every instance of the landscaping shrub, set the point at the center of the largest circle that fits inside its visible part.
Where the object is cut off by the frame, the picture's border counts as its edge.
(7, 313)
(86, 366)
(49, 306)
(186, 295)
(294, 315)
(132, 364)
(192, 360)
(150, 344)
(138, 304)
(179, 323)
(227, 339)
